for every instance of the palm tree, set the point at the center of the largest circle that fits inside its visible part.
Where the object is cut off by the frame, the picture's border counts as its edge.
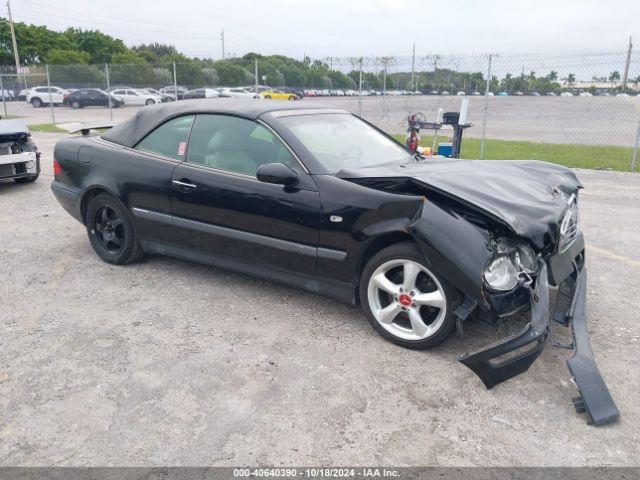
(569, 80)
(553, 76)
(614, 77)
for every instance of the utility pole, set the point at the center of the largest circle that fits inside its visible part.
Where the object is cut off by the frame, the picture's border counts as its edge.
(626, 66)
(413, 69)
(222, 40)
(13, 39)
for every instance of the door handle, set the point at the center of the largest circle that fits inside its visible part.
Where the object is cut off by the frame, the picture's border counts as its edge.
(184, 183)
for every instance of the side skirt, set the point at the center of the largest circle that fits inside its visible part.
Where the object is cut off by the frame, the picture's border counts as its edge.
(342, 291)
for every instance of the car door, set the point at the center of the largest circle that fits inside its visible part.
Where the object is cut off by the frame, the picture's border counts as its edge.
(135, 98)
(222, 209)
(148, 180)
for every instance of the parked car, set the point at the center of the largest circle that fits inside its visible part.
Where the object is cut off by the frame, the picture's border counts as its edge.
(136, 97)
(236, 92)
(92, 97)
(6, 95)
(344, 210)
(460, 93)
(279, 95)
(201, 93)
(19, 157)
(566, 94)
(170, 92)
(43, 96)
(22, 95)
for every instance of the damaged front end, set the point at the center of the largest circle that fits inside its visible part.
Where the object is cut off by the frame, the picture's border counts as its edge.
(505, 233)
(19, 157)
(563, 267)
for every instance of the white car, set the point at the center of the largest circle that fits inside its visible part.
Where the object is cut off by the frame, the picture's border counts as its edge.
(236, 93)
(566, 94)
(41, 96)
(136, 97)
(460, 94)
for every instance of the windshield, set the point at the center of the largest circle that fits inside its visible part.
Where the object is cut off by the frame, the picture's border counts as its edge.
(342, 141)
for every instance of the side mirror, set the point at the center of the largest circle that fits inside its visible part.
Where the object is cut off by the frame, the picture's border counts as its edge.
(277, 173)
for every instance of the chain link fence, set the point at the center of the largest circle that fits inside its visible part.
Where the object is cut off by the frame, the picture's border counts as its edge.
(580, 109)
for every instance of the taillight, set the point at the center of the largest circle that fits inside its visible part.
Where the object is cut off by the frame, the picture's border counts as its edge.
(57, 168)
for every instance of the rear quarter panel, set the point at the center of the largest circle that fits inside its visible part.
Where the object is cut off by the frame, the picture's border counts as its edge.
(136, 179)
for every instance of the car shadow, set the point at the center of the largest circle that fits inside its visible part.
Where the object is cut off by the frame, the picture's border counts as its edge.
(476, 333)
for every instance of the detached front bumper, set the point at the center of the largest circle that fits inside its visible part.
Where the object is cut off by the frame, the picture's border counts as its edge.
(514, 355)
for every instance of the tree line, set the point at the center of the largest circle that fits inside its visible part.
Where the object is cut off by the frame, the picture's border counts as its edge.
(77, 58)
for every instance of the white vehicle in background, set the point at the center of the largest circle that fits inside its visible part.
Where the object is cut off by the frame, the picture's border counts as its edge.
(586, 94)
(236, 92)
(19, 157)
(566, 94)
(42, 96)
(136, 97)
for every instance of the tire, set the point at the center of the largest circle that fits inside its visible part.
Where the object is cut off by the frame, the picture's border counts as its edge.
(36, 102)
(76, 104)
(292, 98)
(111, 232)
(149, 102)
(418, 318)
(267, 97)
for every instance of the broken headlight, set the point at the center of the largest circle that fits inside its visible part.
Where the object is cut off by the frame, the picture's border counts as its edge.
(513, 263)
(501, 274)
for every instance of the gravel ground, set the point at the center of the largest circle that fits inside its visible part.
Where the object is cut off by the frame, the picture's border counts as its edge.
(167, 362)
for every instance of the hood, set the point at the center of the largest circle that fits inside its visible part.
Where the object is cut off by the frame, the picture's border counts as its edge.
(527, 196)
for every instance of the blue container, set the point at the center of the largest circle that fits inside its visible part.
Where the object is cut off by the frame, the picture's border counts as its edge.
(445, 149)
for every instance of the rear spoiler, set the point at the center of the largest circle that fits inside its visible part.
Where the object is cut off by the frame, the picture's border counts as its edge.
(85, 128)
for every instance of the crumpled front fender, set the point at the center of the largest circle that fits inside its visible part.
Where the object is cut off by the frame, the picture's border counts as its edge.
(454, 247)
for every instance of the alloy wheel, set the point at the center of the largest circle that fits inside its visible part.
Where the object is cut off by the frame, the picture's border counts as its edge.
(109, 229)
(406, 299)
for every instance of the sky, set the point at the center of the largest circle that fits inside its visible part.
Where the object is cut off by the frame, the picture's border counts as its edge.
(338, 28)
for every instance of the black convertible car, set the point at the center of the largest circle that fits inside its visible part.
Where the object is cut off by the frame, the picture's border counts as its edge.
(320, 199)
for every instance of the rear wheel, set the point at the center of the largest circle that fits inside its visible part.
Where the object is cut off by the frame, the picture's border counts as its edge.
(292, 97)
(110, 231)
(406, 301)
(76, 104)
(149, 101)
(268, 97)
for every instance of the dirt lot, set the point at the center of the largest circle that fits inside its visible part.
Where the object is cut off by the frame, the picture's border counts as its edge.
(171, 363)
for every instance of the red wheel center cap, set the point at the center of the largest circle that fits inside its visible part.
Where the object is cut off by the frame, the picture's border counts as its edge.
(405, 300)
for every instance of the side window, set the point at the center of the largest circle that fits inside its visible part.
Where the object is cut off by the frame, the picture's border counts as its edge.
(119, 92)
(234, 144)
(169, 139)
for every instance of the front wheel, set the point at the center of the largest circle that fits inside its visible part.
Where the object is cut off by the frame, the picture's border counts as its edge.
(149, 102)
(36, 102)
(110, 231)
(75, 104)
(406, 301)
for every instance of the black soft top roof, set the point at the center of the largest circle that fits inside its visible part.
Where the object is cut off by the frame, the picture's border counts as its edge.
(130, 132)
